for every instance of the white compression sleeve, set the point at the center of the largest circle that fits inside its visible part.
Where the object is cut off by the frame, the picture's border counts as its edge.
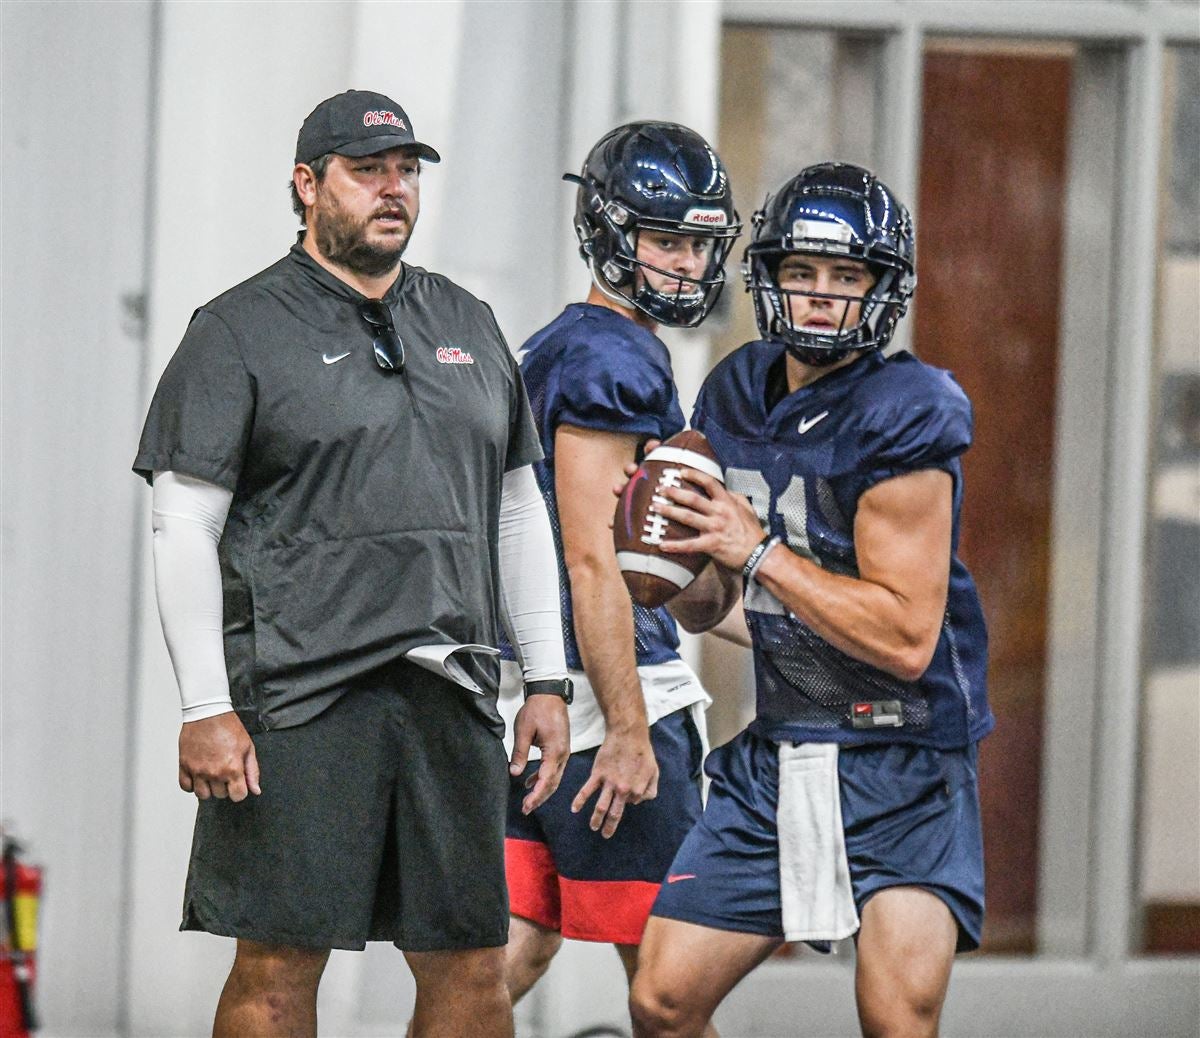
(189, 515)
(529, 578)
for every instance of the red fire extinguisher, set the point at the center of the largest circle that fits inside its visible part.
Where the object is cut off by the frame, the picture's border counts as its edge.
(20, 891)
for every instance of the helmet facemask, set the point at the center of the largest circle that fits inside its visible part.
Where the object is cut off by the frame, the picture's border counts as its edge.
(881, 307)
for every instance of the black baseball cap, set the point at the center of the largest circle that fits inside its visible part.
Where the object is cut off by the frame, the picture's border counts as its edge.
(357, 122)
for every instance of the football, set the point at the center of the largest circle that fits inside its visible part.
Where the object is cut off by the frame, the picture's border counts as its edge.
(652, 576)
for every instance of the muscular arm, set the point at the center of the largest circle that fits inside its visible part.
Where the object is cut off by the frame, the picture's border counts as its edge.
(890, 616)
(587, 463)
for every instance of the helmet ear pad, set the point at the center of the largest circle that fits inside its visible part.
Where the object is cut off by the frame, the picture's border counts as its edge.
(615, 274)
(600, 239)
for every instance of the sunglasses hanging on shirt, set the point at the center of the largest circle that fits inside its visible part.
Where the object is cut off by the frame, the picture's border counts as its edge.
(389, 347)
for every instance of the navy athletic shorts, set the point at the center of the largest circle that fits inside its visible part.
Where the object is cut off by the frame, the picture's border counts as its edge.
(381, 819)
(910, 815)
(565, 877)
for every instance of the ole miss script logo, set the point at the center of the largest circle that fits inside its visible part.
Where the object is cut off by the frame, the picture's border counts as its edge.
(383, 118)
(453, 355)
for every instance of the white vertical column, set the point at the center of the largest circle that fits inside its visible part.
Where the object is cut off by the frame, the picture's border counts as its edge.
(498, 234)
(898, 130)
(1129, 432)
(1068, 753)
(75, 128)
(590, 101)
(414, 53)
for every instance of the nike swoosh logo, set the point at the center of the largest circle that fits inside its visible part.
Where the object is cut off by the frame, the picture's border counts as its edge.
(683, 875)
(808, 423)
(333, 360)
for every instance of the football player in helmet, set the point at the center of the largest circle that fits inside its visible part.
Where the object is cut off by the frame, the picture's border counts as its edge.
(655, 222)
(830, 268)
(849, 806)
(647, 191)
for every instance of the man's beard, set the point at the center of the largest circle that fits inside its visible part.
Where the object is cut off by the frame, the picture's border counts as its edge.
(342, 240)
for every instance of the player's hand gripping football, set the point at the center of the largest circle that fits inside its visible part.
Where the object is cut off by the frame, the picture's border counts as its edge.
(541, 722)
(217, 759)
(727, 528)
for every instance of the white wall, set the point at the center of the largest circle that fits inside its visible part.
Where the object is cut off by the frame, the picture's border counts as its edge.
(74, 143)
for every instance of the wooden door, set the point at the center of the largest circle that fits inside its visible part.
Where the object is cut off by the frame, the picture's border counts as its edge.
(989, 247)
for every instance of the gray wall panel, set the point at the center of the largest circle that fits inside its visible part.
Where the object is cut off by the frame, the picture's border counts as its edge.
(75, 125)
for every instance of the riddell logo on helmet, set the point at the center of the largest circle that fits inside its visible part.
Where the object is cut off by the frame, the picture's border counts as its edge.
(383, 118)
(707, 217)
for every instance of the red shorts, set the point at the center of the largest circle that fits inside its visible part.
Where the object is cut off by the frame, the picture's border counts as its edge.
(565, 877)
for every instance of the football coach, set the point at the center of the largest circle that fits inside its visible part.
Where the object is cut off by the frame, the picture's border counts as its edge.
(340, 451)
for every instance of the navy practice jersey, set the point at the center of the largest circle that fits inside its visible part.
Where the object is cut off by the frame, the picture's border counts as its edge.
(595, 369)
(804, 464)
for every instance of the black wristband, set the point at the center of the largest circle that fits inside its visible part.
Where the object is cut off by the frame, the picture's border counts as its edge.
(561, 687)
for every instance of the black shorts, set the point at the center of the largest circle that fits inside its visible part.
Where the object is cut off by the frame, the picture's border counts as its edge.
(381, 819)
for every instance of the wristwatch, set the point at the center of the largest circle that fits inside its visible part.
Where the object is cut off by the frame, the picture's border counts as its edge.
(561, 687)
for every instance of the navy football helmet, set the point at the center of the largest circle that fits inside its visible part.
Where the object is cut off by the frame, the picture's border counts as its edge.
(832, 209)
(654, 176)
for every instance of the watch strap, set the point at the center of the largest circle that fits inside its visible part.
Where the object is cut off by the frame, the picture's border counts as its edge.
(561, 687)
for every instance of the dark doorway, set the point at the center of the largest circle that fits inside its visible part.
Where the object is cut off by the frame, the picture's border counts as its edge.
(990, 240)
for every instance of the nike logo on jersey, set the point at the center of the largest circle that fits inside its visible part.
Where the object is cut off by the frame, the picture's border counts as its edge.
(681, 876)
(333, 360)
(808, 423)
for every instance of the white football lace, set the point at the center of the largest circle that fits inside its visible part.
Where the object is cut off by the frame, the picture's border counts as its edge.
(655, 528)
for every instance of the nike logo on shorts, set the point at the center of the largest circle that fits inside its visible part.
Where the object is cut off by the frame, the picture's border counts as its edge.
(333, 360)
(681, 876)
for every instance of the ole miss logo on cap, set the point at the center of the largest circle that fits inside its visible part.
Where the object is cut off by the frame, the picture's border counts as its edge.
(383, 118)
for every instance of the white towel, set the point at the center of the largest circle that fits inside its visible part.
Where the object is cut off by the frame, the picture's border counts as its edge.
(814, 876)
